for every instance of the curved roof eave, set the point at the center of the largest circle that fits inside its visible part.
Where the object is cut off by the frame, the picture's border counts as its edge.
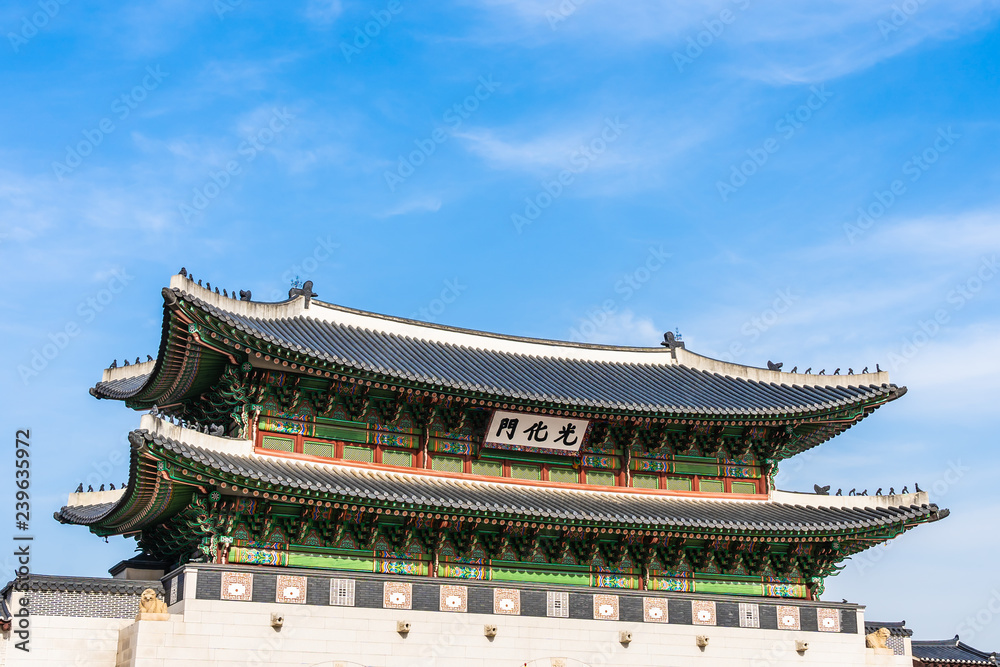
(575, 375)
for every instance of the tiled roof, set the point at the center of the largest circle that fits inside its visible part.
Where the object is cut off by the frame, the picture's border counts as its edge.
(42, 582)
(952, 652)
(84, 514)
(520, 369)
(121, 388)
(895, 628)
(544, 503)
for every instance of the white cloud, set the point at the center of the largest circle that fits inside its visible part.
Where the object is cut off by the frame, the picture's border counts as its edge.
(780, 43)
(945, 237)
(151, 28)
(429, 204)
(547, 151)
(323, 12)
(855, 306)
(237, 76)
(630, 153)
(954, 374)
(622, 328)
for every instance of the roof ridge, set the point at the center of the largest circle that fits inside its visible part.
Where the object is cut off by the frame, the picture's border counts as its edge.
(296, 307)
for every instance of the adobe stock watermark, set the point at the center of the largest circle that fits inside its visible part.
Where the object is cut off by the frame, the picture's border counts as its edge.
(754, 327)
(274, 644)
(562, 11)
(87, 311)
(786, 127)
(223, 7)
(703, 39)
(453, 118)
(364, 34)
(579, 161)
(900, 15)
(972, 625)
(322, 252)
(100, 640)
(121, 108)
(779, 652)
(113, 468)
(631, 282)
(914, 168)
(937, 491)
(450, 292)
(957, 298)
(33, 23)
(247, 152)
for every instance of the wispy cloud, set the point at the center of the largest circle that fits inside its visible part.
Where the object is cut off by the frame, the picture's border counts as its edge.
(152, 28)
(237, 76)
(780, 43)
(429, 204)
(642, 149)
(323, 12)
(627, 329)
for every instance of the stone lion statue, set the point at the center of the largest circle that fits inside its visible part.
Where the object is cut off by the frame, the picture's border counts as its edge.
(150, 604)
(878, 639)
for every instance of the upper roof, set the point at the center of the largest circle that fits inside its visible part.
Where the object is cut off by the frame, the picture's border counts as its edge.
(655, 380)
(951, 651)
(226, 458)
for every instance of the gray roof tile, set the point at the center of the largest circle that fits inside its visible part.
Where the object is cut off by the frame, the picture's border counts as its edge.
(951, 651)
(545, 503)
(652, 387)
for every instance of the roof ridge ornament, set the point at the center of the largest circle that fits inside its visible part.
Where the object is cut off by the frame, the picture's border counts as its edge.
(306, 290)
(673, 341)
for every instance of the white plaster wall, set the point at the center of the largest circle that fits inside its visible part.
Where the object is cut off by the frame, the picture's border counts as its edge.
(68, 641)
(870, 502)
(239, 634)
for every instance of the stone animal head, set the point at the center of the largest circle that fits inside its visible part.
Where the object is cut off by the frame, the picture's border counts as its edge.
(878, 639)
(150, 604)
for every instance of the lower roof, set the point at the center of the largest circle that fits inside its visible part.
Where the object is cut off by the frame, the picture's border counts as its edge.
(429, 491)
(951, 651)
(59, 584)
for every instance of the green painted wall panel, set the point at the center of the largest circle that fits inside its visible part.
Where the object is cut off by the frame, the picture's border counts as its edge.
(696, 468)
(729, 588)
(565, 578)
(331, 562)
(341, 433)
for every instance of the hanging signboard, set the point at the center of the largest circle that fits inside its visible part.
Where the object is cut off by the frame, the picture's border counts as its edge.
(538, 431)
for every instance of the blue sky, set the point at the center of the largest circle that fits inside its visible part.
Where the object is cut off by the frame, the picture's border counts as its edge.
(813, 185)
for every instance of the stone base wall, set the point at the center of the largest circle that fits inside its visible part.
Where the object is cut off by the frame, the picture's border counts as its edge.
(230, 634)
(67, 641)
(204, 630)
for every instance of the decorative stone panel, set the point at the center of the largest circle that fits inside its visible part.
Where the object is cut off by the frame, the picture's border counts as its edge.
(703, 612)
(828, 620)
(507, 601)
(237, 586)
(749, 615)
(397, 595)
(788, 618)
(654, 610)
(454, 598)
(291, 590)
(606, 607)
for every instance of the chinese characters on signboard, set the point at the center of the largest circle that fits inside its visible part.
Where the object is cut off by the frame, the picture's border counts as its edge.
(532, 430)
